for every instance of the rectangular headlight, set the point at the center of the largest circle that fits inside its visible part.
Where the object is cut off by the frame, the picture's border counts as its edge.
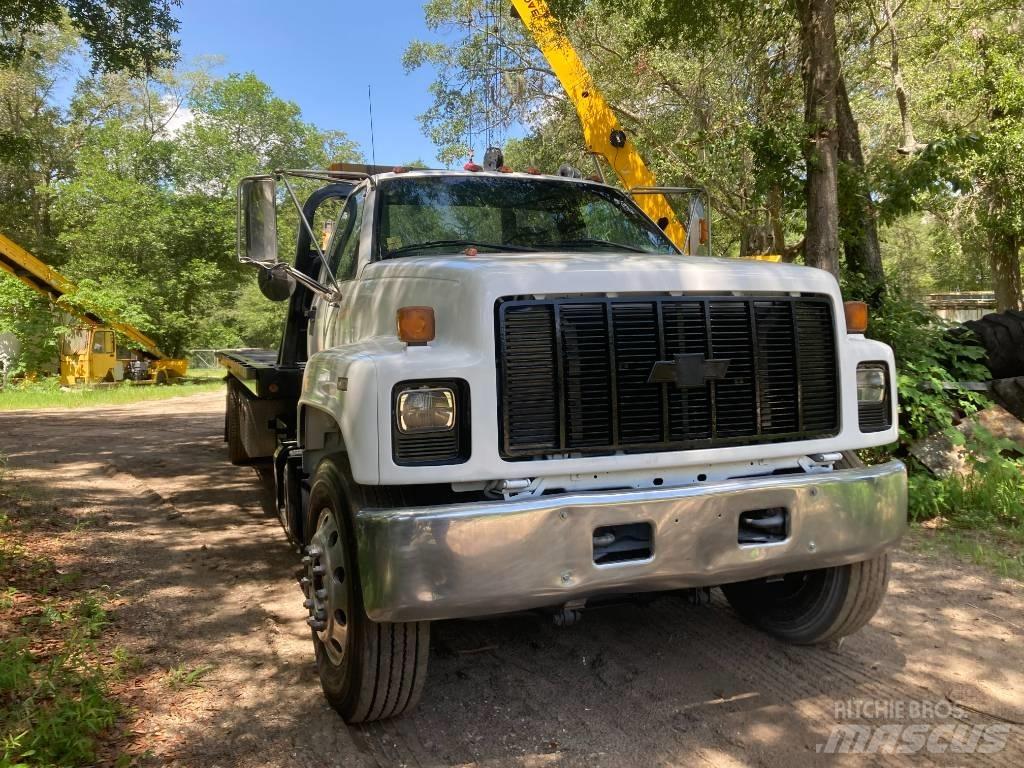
(871, 384)
(425, 410)
(874, 408)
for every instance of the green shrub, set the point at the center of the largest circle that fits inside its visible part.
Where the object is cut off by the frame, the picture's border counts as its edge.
(928, 360)
(990, 495)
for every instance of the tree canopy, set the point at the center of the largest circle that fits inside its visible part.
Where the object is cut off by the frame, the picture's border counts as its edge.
(923, 118)
(122, 35)
(128, 189)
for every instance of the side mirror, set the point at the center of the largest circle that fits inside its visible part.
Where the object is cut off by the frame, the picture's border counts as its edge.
(257, 220)
(276, 284)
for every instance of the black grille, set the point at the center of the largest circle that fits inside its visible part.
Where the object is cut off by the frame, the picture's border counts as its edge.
(573, 373)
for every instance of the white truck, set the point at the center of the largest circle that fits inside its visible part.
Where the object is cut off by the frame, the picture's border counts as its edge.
(500, 392)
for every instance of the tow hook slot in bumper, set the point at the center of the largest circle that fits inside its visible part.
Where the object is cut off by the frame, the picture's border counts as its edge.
(622, 543)
(764, 526)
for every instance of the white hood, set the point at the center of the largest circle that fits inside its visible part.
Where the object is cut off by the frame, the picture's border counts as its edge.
(605, 272)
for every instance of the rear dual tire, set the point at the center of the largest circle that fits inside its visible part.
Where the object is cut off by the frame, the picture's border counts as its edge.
(368, 670)
(233, 426)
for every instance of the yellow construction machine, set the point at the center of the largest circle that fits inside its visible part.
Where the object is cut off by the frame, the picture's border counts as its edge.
(90, 352)
(606, 139)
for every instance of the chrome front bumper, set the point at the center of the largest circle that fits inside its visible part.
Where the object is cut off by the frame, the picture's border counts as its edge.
(485, 558)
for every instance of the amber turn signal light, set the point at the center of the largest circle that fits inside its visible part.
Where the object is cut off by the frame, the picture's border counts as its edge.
(856, 316)
(416, 324)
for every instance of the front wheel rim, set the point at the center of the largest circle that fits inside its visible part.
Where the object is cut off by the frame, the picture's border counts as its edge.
(327, 598)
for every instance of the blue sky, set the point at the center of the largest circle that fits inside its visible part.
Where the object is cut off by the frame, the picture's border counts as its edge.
(322, 54)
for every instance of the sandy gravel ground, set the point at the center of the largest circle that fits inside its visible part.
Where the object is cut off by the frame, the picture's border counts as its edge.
(206, 579)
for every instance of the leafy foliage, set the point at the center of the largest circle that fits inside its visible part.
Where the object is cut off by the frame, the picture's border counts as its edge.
(711, 93)
(55, 693)
(929, 360)
(136, 35)
(129, 191)
(987, 496)
(26, 315)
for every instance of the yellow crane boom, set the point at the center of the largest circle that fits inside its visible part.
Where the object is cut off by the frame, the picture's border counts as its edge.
(601, 129)
(52, 284)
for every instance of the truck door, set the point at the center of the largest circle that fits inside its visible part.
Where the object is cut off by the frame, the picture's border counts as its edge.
(332, 326)
(102, 356)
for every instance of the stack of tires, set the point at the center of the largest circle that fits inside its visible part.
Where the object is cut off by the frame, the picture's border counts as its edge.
(1002, 336)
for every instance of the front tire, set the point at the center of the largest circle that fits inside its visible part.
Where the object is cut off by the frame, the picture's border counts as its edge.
(813, 607)
(368, 670)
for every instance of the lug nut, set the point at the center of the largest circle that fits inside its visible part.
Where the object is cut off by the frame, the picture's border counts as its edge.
(319, 570)
(307, 603)
(307, 560)
(316, 624)
(322, 594)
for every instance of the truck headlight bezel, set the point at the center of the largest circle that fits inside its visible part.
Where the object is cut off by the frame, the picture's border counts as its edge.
(874, 396)
(430, 422)
(425, 409)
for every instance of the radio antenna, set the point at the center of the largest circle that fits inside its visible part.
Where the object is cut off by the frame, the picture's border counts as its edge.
(373, 147)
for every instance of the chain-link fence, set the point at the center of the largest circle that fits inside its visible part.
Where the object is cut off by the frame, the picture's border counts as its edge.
(202, 358)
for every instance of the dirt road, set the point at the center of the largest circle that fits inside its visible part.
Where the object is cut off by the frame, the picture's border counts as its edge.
(206, 579)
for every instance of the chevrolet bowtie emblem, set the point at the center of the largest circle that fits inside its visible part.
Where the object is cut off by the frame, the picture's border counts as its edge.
(689, 370)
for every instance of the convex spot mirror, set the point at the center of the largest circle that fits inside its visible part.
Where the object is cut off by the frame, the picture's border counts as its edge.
(257, 221)
(276, 284)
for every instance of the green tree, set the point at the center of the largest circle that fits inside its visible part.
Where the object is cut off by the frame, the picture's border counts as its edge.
(134, 35)
(36, 155)
(149, 216)
(129, 191)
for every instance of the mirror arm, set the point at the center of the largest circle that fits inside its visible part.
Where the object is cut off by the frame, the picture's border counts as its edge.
(331, 294)
(312, 235)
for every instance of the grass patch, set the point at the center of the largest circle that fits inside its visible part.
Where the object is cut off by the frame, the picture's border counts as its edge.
(56, 703)
(990, 496)
(1000, 551)
(48, 394)
(182, 677)
(977, 515)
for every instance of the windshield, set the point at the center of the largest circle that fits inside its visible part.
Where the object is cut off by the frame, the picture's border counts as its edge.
(424, 214)
(75, 342)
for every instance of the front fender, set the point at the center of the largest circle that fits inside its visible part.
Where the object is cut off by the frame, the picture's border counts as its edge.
(340, 386)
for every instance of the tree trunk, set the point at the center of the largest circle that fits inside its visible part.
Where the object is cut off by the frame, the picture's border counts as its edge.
(909, 145)
(775, 219)
(1004, 256)
(820, 69)
(856, 211)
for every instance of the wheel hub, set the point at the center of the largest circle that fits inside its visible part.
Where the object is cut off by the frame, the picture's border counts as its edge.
(325, 588)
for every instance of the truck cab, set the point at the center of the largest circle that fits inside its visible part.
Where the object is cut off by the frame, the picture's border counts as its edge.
(500, 392)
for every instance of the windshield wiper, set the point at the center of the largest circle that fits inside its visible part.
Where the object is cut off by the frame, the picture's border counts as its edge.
(462, 243)
(594, 242)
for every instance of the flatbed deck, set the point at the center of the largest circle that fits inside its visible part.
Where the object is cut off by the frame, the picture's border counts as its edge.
(261, 374)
